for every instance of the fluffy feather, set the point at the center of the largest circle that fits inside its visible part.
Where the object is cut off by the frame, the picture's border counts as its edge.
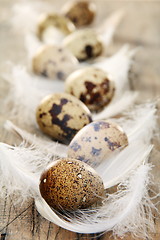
(108, 27)
(127, 210)
(25, 94)
(18, 174)
(139, 124)
(117, 105)
(40, 142)
(118, 67)
(27, 13)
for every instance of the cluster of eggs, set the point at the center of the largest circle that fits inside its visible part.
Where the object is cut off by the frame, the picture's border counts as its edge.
(57, 62)
(72, 182)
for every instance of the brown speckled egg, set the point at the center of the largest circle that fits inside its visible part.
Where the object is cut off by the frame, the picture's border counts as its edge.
(96, 141)
(54, 26)
(92, 86)
(69, 184)
(54, 62)
(84, 44)
(61, 116)
(81, 13)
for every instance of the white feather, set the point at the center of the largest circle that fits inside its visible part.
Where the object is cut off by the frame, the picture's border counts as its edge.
(25, 15)
(128, 210)
(117, 106)
(32, 45)
(108, 27)
(40, 142)
(118, 67)
(17, 171)
(139, 124)
(25, 93)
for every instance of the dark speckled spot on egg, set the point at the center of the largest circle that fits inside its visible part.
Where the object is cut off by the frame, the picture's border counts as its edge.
(96, 126)
(44, 73)
(95, 151)
(94, 93)
(60, 75)
(55, 111)
(89, 51)
(75, 146)
(86, 139)
(42, 114)
(112, 145)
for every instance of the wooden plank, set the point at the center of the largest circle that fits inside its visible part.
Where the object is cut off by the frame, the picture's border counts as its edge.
(140, 27)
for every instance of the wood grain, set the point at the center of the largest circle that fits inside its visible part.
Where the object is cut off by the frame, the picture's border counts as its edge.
(140, 27)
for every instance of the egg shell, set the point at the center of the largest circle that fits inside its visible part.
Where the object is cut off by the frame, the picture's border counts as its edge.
(61, 116)
(92, 86)
(81, 13)
(96, 141)
(53, 62)
(54, 21)
(69, 184)
(84, 44)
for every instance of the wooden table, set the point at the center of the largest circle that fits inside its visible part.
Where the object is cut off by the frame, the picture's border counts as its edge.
(140, 27)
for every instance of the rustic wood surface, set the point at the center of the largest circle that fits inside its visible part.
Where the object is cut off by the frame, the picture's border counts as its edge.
(140, 27)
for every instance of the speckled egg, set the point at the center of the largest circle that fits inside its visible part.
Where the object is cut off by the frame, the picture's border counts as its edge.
(81, 13)
(54, 62)
(84, 44)
(69, 184)
(61, 116)
(96, 141)
(92, 86)
(53, 26)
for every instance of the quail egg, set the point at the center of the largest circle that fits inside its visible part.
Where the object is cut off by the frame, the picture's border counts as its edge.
(96, 141)
(92, 86)
(54, 27)
(69, 184)
(54, 62)
(84, 44)
(61, 116)
(81, 13)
